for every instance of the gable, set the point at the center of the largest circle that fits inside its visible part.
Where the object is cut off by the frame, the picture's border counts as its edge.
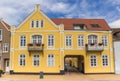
(37, 15)
(4, 25)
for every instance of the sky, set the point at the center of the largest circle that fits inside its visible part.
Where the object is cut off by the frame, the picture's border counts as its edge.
(15, 11)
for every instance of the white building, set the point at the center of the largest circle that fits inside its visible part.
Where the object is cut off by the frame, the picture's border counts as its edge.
(116, 43)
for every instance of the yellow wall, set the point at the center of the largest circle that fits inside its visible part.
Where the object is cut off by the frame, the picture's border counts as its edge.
(59, 50)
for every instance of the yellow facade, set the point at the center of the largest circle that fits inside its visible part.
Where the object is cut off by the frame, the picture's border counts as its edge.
(59, 50)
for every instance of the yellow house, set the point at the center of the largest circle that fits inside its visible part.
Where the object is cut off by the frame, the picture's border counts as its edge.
(52, 45)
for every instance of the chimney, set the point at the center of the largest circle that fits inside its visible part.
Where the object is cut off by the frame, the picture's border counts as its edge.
(37, 8)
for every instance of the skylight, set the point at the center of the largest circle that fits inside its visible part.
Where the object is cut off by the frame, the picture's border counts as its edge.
(95, 25)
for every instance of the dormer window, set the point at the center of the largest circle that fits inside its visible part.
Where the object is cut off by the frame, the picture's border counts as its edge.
(95, 25)
(79, 27)
(37, 24)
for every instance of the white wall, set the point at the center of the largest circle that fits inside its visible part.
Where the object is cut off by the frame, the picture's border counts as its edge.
(117, 56)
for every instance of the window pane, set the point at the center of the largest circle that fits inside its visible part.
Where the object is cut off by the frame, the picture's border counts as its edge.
(68, 40)
(93, 60)
(50, 60)
(50, 40)
(37, 23)
(42, 24)
(36, 60)
(104, 40)
(104, 60)
(32, 24)
(80, 41)
(22, 60)
(92, 39)
(23, 41)
(37, 39)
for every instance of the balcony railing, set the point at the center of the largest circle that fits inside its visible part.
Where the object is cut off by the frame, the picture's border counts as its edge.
(35, 47)
(94, 47)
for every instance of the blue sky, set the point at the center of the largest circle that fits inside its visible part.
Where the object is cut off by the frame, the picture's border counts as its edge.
(15, 11)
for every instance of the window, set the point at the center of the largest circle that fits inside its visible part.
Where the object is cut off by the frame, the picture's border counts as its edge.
(5, 47)
(50, 40)
(93, 60)
(37, 23)
(104, 40)
(36, 39)
(0, 35)
(42, 23)
(22, 40)
(105, 60)
(79, 26)
(36, 60)
(32, 24)
(68, 40)
(95, 25)
(92, 39)
(50, 60)
(22, 60)
(80, 40)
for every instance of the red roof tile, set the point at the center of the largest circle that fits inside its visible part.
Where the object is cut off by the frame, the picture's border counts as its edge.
(68, 23)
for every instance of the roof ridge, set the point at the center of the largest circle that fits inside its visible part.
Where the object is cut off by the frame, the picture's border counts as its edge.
(7, 26)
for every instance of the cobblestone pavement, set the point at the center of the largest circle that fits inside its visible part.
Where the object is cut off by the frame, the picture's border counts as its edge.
(66, 77)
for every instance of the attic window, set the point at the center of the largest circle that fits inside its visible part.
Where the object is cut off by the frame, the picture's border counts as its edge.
(79, 26)
(95, 25)
(37, 23)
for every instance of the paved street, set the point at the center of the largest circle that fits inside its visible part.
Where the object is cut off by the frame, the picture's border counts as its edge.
(66, 77)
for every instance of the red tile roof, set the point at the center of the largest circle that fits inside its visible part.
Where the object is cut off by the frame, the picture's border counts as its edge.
(68, 23)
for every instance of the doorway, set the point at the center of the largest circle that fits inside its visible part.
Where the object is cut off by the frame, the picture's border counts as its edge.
(7, 68)
(74, 63)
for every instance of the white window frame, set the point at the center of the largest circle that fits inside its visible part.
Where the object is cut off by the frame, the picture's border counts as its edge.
(37, 24)
(42, 21)
(24, 41)
(37, 59)
(68, 41)
(5, 47)
(105, 62)
(93, 65)
(23, 62)
(1, 35)
(105, 40)
(34, 22)
(93, 39)
(37, 40)
(53, 63)
(80, 40)
(51, 41)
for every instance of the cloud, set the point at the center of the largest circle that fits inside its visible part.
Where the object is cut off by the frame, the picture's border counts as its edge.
(118, 8)
(14, 11)
(115, 24)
